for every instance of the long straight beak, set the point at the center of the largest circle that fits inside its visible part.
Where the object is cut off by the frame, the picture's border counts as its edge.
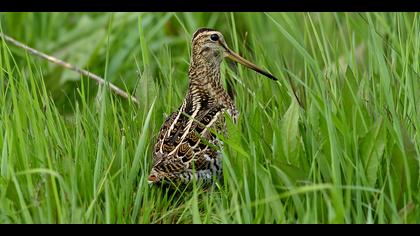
(235, 57)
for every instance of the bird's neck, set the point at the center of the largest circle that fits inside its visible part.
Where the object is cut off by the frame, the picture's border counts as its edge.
(205, 89)
(204, 74)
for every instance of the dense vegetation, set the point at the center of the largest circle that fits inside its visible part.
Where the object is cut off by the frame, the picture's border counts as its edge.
(335, 140)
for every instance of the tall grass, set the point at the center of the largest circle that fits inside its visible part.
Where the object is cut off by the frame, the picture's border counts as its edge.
(336, 140)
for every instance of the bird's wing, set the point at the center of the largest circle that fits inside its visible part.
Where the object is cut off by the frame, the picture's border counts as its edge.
(183, 141)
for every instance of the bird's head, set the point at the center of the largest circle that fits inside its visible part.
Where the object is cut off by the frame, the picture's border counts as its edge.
(209, 46)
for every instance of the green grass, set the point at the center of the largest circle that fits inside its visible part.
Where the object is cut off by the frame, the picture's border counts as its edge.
(335, 140)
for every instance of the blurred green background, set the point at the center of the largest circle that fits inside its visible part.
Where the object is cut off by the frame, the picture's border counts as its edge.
(81, 39)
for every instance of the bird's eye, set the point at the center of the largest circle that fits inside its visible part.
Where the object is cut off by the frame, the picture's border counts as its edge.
(214, 37)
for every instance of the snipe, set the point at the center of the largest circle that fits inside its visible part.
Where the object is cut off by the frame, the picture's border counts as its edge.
(187, 147)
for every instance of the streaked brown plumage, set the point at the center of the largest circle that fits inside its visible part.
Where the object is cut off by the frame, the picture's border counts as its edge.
(187, 147)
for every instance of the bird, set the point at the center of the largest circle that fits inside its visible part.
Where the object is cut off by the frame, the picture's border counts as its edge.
(187, 146)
